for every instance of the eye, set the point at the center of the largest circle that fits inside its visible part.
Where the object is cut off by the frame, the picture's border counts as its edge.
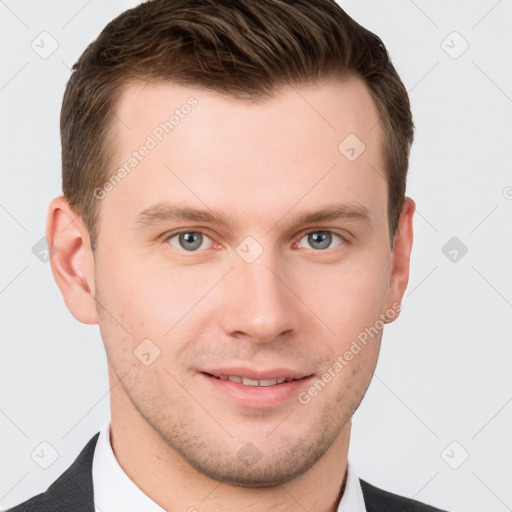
(190, 240)
(320, 240)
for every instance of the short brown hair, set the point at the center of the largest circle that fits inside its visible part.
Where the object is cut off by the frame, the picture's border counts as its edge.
(243, 48)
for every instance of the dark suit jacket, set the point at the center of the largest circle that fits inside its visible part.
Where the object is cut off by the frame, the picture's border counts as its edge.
(73, 492)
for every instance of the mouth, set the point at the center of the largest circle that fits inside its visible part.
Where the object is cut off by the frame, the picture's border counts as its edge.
(247, 381)
(255, 389)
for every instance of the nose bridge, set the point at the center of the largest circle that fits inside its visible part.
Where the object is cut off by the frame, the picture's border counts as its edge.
(258, 304)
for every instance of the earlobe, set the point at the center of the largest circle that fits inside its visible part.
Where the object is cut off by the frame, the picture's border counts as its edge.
(401, 256)
(72, 260)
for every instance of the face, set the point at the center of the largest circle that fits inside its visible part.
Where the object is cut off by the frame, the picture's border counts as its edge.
(241, 258)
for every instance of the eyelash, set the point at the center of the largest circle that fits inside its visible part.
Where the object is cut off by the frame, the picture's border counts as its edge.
(302, 235)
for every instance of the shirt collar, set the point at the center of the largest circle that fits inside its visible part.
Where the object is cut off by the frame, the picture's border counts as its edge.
(114, 491)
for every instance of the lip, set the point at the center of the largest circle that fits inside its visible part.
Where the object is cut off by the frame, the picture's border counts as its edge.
(255, 397)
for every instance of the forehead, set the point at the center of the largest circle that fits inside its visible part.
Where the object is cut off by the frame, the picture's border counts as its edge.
(310, 144)
(338, 104)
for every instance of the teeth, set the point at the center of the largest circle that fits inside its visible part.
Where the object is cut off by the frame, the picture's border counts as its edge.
(253, 382)
(249, 382)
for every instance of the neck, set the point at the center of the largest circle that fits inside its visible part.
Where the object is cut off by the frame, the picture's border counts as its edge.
(163, 475)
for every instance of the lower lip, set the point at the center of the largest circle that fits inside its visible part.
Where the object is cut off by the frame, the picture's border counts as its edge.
(256, 396)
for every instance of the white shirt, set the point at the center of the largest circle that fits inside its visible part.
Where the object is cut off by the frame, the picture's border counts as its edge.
(114, 491)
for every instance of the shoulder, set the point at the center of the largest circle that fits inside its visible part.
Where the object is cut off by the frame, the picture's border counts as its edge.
(71, 491)
(378, 500)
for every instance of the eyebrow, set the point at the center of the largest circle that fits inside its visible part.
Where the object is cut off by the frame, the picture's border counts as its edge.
(164, 212)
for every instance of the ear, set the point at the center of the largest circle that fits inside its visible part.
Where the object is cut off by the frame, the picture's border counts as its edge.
(401, 256)
(72, 260)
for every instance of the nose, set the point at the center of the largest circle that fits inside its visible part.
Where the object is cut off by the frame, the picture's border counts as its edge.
(259, 303)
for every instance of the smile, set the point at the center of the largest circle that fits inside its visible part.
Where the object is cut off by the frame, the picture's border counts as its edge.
(246, 381)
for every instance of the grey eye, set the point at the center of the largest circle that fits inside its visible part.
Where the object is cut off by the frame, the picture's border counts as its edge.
(188, 240)
(320, 240)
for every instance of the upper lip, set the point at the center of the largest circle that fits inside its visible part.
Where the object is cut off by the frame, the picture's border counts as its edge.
(273, 373)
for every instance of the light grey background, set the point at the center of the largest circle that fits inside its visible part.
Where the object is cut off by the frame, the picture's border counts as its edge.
(442, 386)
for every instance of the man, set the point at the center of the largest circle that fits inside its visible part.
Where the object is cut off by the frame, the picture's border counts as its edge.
(234, 218)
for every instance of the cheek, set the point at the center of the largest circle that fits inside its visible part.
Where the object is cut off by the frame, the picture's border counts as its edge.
(352, 296)
(140, 294)
(356, 379)
(148, 302)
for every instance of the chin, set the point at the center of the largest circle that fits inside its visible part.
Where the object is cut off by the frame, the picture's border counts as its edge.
(262, 475)
(251, 467)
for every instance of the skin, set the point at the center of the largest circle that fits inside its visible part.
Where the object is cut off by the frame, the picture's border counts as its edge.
(174, 431)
